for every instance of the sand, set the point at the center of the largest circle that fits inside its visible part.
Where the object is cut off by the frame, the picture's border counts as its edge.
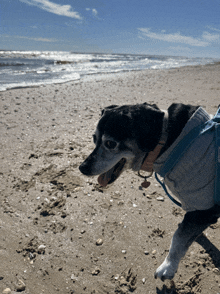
(62, 233)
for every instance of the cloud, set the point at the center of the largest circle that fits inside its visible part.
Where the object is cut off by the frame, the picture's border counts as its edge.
(213, 29)
(211, 37)
(180, 49)
(94, 11)
(64, 10)
(38, 39)
(31, 38)
(176, 38)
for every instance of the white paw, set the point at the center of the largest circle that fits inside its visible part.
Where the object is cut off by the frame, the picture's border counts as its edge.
(166, 270)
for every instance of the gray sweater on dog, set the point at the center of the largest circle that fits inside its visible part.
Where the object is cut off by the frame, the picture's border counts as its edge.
(192, 178)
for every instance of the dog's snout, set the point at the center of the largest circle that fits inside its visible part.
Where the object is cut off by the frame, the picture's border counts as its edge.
(85, 169)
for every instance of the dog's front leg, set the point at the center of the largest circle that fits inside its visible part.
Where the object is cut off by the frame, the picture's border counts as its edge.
(186, 233)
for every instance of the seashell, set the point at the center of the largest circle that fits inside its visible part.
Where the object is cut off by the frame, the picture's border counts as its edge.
(41, 248)
(7, 291)
(99, 242)
(160, 198)
(20, 286)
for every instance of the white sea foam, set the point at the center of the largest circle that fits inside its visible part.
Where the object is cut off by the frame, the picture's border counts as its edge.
(33, 68)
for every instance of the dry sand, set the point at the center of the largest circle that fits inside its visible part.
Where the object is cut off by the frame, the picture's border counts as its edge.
(51, 216)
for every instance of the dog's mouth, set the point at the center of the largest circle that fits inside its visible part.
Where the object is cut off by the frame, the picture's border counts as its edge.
(111, 175)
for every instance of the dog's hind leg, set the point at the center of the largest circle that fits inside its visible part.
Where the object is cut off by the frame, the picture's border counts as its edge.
(193, 224)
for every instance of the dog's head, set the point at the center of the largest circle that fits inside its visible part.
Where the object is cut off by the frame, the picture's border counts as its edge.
(123, 137)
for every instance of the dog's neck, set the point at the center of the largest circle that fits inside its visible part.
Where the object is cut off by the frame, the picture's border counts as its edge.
(153, 155)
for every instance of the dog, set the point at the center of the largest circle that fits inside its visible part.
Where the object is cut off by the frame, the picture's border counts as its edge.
(125, 136)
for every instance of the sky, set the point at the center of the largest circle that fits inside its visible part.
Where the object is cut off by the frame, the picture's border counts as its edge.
(160, 27)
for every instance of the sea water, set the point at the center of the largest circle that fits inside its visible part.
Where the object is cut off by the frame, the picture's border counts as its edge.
(33, 68)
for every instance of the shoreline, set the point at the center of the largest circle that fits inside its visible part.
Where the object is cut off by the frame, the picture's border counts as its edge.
(98, 76)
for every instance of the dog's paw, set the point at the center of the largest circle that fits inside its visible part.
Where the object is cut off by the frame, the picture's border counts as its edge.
(165, 271)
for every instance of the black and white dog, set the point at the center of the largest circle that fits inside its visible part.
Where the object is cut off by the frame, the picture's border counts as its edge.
(124, 137)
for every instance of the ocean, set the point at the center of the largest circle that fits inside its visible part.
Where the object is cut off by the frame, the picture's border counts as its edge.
(34, 68)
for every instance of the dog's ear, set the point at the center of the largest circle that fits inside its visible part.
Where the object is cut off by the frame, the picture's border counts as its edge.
(108, 108)
(148, 123)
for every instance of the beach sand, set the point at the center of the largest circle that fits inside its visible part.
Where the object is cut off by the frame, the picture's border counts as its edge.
(51, 216)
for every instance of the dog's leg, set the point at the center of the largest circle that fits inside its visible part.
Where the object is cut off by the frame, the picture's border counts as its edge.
(193, 225)
(182, 239)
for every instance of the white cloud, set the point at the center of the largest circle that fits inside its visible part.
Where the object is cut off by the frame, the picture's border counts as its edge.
(211, 37)
(213, 29)
(94, 11)
(65, 10)
(180, 49)
(174, 38)
(31, 38)
(40, 39)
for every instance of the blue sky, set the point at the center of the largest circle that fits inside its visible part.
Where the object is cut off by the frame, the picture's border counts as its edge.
(168, 27)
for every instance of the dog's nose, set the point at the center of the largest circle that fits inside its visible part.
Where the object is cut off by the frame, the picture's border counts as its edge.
(84, 168)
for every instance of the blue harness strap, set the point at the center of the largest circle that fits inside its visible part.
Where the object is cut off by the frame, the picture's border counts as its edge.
(182, 147)
(166, 191)
(217, 158)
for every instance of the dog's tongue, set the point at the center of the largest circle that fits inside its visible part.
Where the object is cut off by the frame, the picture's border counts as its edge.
(103, 179)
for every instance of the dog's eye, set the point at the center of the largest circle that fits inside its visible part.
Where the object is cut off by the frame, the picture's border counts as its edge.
(110, 144)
